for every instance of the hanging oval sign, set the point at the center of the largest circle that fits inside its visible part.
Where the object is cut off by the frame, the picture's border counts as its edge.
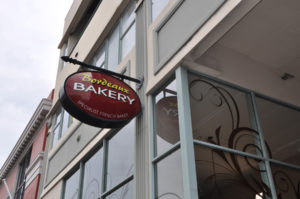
(99, 100)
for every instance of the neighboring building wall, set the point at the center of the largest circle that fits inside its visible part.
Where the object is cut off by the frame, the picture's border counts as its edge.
(39, 143)
(34, 171)
(22, 169)
(32, 189)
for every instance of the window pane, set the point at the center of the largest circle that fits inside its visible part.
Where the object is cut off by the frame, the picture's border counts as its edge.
(65, 53)
(120, 155)
(128, 41)
(280, 126)
(220, 116)
(125, 192)
(286, 182)
(72, 186)
(92, 176)
(128, 17)
(65, 122)
(222, 175)
(157, 7)
(58, 116)
(55, 135)
(169, 177)
(166, 118)
(99, 57)
(113, 49)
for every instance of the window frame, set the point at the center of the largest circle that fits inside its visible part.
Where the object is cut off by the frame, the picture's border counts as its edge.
(21, 179)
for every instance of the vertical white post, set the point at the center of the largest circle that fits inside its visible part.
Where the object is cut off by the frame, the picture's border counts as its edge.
(4, 181)
(186, 135)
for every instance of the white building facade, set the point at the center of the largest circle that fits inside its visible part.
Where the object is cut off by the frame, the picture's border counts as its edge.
(220, 101)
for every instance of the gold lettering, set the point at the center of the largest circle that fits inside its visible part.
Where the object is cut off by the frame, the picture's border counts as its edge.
(115, 86)
(104, 82)
(86, 78)
(126, 91)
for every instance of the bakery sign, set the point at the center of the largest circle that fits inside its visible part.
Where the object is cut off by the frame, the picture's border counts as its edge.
(99, 99)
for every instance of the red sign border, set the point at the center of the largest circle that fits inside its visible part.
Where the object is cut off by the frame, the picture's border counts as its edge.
(87, 118)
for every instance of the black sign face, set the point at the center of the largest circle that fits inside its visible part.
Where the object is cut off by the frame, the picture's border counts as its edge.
(99, 100)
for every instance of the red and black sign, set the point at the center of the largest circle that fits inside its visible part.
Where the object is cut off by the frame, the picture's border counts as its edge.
(99, 99)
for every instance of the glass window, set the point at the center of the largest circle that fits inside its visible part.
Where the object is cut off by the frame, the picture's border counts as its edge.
(72, 186)
(119, 42)
(62, 122)
(280, 126)
(113, 50)
(169, 177)
(128, 17)
(99, 57)
(56, 131)
(55, 135)
(58, 117)
(92, 176)
(120, 162)
(157, 7)
(225, 169)
(125, 192)
(166, 118)
(65, 122)
(220, 115)
(222, 175)
(65, 53)
(128, 30)
(128, 41)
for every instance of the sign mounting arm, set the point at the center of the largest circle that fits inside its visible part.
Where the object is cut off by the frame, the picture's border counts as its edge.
(108, 72)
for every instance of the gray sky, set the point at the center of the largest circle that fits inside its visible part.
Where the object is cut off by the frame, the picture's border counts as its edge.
(30, 31)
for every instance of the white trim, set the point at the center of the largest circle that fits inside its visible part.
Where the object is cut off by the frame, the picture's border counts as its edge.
(35, 169)
(6, 187)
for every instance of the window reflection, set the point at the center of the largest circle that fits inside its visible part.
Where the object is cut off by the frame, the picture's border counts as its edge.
(55, 136)
(157, 7)
(128, 17)
(92, 176)
(128, 41)
(113, 50)
(128, 30)
(63, 120)
(280, 126)
(99, 57)
(222, 175)
(220, 115)
(67, 120)
(169, 177)
(72, 186)
(166, 118)
(120, 163)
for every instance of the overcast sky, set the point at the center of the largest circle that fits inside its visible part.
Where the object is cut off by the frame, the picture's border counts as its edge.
(30, 31)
